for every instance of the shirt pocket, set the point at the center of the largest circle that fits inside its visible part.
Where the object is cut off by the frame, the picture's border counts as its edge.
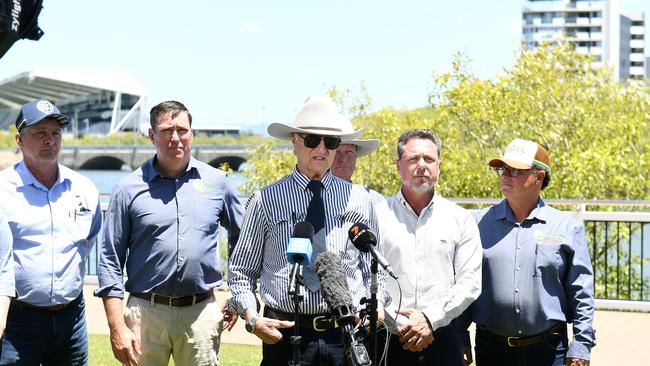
(282, 225)
(207, 211)
(547, 259)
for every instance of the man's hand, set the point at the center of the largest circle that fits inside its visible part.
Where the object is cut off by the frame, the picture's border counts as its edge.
(126, 348)
(466, 354)
(266, 329)
(229, 317)
(576, 362)
(416, 334)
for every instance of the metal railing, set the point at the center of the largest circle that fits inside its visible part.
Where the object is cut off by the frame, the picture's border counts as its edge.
(619, 245)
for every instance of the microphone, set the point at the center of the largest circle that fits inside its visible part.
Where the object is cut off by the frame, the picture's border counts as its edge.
(364, 240)
(334, 287)
(299, 252)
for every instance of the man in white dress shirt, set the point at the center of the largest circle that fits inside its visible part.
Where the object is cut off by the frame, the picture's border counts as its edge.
(434, 247)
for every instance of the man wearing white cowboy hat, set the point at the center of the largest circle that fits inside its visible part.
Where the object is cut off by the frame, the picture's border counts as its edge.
(312, 194)
(537, 274)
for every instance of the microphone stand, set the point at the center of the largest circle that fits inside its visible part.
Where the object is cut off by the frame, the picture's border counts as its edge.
(296, 295)
(372, 310)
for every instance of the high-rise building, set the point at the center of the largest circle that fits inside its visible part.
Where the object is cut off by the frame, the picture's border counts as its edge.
(595, 27)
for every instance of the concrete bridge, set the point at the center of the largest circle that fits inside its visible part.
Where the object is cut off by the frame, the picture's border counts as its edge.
(131, 157)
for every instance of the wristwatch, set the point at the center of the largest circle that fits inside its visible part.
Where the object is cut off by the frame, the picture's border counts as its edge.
(250, 324)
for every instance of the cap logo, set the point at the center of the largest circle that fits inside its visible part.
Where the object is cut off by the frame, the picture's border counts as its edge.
(522, 151)
(45, 107)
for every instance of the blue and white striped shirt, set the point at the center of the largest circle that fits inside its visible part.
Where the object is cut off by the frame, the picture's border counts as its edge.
(271, 215)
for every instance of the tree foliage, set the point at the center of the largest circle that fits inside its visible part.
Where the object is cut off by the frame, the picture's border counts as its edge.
(594, 127)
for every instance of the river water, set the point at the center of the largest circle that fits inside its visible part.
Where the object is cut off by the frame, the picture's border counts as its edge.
(105, 179)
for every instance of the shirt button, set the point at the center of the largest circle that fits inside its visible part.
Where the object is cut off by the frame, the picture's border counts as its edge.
(517, 289)
(518, 268)
(517, 310)
(518, 247)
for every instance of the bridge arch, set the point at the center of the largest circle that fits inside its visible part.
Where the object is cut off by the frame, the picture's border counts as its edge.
(234, 162)
(104, 163)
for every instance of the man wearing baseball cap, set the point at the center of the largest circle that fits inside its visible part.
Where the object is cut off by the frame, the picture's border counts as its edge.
(537, 274)
(54, 216)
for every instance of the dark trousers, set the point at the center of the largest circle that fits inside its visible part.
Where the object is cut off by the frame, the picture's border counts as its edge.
(50, 338)
(549, 352)
(444, 351)
(316, 348)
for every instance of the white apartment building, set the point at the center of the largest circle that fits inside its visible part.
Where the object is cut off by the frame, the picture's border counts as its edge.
(596, 27)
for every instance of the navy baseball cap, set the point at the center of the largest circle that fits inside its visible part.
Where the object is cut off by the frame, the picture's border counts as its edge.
(38, 110)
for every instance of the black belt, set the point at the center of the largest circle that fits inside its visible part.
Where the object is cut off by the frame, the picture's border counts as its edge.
(180, 302)
(518, 342)
(319, 323)
(27, 305)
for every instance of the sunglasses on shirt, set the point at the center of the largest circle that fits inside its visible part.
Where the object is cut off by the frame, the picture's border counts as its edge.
(312, 141)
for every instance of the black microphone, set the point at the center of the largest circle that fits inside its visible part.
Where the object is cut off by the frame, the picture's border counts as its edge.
(334, 287)
(299, 252)
(364, 240)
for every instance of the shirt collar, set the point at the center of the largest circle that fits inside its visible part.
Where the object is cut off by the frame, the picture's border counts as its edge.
(503, 211)
(150, 171)
(302, 180)
(25, 176)
(402, 201)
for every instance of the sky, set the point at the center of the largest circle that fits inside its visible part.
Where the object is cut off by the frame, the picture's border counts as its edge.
(252, 62)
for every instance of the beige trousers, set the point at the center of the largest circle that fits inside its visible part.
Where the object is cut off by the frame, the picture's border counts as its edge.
(191, 335)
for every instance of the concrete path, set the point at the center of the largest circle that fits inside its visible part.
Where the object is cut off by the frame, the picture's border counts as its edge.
(620, 335)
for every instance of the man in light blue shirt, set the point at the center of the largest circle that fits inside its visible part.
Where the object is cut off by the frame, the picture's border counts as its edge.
(162, 225)
(54, 216)
(7, 283)
(537, 274)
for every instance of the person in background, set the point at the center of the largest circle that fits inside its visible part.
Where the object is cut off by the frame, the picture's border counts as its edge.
(162, 224)
(345, 160)
(537, 274)
(54, 216)
(434, 247)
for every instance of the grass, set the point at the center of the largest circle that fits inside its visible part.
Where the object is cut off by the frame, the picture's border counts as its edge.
(99, 348)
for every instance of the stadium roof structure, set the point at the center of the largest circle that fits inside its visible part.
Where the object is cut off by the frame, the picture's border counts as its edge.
(103, 101)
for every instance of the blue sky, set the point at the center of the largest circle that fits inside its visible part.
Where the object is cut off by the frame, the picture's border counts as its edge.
(248, 62)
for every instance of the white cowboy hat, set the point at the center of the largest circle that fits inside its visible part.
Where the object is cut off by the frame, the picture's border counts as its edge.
(319, 116)
(364, 147)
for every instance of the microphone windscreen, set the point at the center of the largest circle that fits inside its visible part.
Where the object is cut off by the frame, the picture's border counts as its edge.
(303, 229)
(333, 282)
(361, 236)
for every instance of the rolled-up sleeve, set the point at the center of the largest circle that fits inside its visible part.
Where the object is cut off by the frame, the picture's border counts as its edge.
(246, 261)
(114, 245)
(579, 285)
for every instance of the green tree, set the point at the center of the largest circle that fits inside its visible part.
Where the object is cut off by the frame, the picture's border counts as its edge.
(594, 127)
